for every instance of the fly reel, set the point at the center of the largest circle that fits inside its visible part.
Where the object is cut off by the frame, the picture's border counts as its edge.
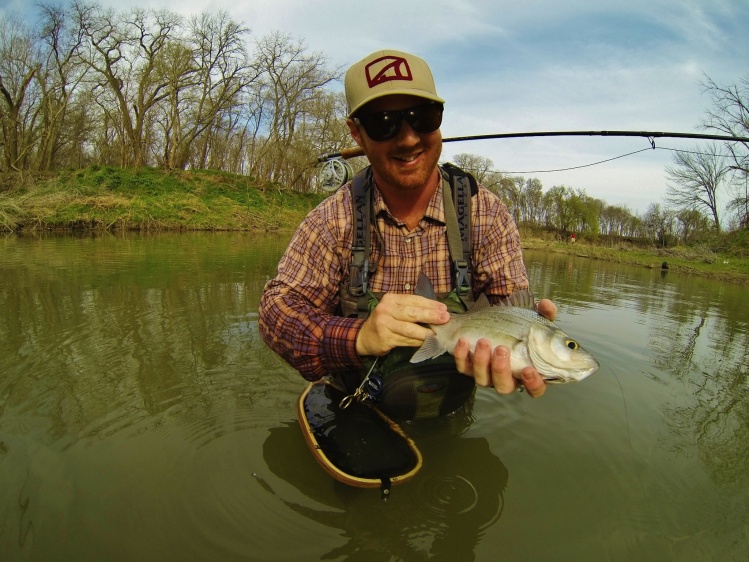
(334, 173)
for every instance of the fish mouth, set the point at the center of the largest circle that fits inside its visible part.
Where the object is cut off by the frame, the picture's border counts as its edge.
(575, 376)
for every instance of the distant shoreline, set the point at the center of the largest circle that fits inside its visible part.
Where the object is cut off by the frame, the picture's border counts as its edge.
(107, 199)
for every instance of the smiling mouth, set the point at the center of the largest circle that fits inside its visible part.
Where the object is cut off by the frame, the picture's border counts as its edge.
(407, 159)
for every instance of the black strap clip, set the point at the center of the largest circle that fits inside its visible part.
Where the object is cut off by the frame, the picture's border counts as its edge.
(462, 281)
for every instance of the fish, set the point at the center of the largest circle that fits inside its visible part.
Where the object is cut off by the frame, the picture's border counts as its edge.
(532, 338)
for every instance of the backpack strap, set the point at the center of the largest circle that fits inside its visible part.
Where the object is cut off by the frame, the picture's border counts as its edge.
(358, 283)
(458, 187)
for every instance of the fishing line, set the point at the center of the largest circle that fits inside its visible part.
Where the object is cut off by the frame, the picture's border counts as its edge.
(626, 412)
(615, 158)
(581, 166)
(629, 439)
(694, 152)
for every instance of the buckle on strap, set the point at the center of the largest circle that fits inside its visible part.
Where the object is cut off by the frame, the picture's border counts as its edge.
(462, 284)
(358, 278)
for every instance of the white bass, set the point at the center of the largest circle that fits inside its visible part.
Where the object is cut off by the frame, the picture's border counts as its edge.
(532, 339)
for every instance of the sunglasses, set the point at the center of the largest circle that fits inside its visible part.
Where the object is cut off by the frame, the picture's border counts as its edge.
(385, 125)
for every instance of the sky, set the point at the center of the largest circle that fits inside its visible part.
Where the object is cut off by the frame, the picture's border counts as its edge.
(539, 65)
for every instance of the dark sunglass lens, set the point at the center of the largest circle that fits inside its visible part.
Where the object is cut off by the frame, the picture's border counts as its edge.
(425, 118)
(381, 126)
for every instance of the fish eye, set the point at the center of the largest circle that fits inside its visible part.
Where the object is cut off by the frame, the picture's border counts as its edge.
(572, 344)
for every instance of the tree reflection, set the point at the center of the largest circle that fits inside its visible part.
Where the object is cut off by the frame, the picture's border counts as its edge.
(704, 348)
(697, 336)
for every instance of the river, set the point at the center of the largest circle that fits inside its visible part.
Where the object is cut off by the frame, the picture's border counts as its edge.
(143, 418)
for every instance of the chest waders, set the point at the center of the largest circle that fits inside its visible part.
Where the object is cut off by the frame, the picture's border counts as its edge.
(401, 389)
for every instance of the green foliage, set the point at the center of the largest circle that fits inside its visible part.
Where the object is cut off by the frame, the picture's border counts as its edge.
(737, 243)
(696, 260)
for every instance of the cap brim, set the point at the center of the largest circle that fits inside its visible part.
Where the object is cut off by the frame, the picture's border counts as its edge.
(402, 91)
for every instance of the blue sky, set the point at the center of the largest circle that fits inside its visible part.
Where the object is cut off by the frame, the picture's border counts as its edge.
(536, 66)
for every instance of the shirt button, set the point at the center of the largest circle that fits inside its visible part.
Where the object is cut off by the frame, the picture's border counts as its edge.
(407, 286)
(408, 240)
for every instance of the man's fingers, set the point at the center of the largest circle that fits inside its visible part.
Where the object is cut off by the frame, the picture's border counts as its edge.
(391, 325)
(533, 382)
(547, 309)
(492, 367)
(502, 379)
(412, 308)
(462, 354)
(482, 370)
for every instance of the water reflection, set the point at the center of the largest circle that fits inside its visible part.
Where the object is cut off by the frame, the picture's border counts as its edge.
(140, 412)
(697, 333)
(455, 499)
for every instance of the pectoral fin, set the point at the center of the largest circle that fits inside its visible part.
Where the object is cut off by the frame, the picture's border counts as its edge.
(430, 349)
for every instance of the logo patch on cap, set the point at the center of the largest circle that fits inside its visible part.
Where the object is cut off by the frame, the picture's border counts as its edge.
(386, 69)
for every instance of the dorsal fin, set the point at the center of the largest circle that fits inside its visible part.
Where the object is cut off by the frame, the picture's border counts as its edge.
(481, 303)
(424, 287)
(522, 298)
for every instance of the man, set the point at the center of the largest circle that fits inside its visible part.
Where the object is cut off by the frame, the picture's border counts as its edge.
(394, 116)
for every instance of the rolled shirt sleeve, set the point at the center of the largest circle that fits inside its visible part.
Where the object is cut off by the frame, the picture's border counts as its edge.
(297, 309)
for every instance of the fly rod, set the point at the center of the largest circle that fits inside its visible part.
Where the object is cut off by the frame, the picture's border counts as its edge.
(348, 153)
(336, 171)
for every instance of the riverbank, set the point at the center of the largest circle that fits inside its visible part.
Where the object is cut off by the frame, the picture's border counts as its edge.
(693, 261)
(102, 198)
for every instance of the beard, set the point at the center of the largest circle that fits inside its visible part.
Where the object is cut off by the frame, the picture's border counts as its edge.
(413, 179)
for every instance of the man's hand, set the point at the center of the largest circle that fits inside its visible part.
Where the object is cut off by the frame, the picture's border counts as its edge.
(492, 367)
(395, 322)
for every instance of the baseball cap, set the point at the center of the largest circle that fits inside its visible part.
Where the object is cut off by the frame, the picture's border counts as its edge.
(385, 73)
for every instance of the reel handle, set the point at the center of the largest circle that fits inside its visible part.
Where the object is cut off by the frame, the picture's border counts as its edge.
(347, 153)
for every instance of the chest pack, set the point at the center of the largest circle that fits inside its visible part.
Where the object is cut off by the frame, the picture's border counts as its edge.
(401, 389)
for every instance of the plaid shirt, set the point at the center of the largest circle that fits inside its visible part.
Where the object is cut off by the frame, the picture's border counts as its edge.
(297, 316)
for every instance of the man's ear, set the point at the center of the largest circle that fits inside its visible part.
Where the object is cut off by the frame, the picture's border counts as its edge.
(355, 132)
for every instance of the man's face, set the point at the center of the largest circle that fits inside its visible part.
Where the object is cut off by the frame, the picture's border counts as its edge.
(409, 160)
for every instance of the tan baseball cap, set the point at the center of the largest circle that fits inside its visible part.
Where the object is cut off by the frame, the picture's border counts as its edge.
(385, 73)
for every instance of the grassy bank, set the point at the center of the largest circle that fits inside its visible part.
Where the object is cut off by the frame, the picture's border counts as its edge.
(106, 198)
(150, 199)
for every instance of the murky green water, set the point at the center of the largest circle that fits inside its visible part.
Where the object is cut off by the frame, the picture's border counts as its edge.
(142, 418)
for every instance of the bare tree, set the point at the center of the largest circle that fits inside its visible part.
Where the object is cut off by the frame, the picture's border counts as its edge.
(323, 129)
(616, 220)
(730, 115)
(740, 203)
(510, 189)
(533, 198)
(19, 64)
(62, 128)
(691, 223)
(292, 80)
(126, 55)
(206, 86)
(559, 211)
(658, 224)
(478, 166)
(697, 177)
